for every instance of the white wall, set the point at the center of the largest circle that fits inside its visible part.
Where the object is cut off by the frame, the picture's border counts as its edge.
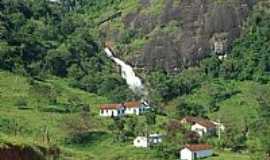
(132, 111)
(201, 130)
(110, 112)
(185, 154)
(140, 142)
(204, 153)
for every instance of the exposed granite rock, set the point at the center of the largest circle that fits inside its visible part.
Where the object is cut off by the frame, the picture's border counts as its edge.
(203, 26)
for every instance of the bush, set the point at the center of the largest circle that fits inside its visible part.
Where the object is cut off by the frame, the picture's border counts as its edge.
(21, 102)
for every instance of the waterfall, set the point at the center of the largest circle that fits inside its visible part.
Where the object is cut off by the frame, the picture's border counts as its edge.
(134, 82)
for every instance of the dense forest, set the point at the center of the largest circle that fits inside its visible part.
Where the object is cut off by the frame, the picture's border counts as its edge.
(40, 38)
(52, 51)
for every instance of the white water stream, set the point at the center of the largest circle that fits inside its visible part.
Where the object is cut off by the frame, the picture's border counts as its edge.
(134, 82)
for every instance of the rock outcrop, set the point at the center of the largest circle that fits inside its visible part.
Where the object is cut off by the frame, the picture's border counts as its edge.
(17, 152)
(181, 32)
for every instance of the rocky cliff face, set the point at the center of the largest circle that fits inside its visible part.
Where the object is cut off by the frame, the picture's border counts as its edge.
(16, 152)
(176, 34)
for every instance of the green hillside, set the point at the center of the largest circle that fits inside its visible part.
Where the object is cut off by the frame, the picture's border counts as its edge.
(54, 76)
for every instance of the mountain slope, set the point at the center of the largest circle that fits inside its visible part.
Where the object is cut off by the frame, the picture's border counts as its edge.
(175, 34)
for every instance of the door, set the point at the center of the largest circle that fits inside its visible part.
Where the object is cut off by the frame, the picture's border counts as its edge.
(195, 156)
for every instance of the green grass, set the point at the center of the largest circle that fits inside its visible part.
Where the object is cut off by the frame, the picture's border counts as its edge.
(225, 155)
(235, 111)
(101, 144)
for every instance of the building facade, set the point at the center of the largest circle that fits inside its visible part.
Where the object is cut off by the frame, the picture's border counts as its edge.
(196, 151)
(128, 108)
(200, 125)
(112, 110)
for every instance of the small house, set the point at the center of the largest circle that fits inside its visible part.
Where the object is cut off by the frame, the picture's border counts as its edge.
(196, 151)
(200, 125)
(112, 110)
(140, 142)
(144, 142)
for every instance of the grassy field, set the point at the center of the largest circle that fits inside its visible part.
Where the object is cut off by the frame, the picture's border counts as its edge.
(237, 110)
(16, 91)
(225, 155)
(20, 105)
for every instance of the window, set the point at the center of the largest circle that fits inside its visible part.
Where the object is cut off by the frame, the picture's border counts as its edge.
(102, 111)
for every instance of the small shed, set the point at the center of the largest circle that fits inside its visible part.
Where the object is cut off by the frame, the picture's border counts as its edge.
(196, 151)
(140, 142)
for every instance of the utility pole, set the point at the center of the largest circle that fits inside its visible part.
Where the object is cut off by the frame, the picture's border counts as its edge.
(219, 129)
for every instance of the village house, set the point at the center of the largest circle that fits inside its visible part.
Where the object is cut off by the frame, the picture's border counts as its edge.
(112, 110)
(144, 142)
(201, 126)
(196, 151)
(134, 107)
(128, 108)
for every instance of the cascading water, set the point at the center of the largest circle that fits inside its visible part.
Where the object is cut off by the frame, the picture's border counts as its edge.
(134, 82)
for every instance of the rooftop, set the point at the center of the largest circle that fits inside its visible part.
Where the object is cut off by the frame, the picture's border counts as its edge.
(132, 104)
(204, 122)
(198, 147)
(110, 106)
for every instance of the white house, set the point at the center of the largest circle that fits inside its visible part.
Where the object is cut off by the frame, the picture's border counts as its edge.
(204, 128)
(128, 108)
(200, 125)
(112, 110)
(144, 142)
(140, 142)
(134, 107)
(196, 151)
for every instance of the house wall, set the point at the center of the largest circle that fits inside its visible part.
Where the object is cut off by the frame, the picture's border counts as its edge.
(140, 142)
(132, 111)
(185, 154)
(111, 112)
(204, 153)
(136, 110)
(201, 130)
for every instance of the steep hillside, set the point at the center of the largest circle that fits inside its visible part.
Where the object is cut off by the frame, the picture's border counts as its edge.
(54, 75)
(174, 34)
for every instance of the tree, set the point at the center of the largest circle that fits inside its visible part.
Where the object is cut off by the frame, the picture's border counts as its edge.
(150, 119)
(173, 140)
(259, 139)
(117, 127)
(131, 124)
(191, 137)
(78, 127)
(191, 109)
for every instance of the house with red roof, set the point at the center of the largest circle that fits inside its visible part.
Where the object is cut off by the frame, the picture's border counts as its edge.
(196, 151)
(128, 108)
(112, 110)
(134, 107)
(200, 125)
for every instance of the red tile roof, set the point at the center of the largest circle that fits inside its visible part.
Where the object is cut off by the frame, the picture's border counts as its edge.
(204, 122)
(132, 104)
(198, 147)
(110, 106)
